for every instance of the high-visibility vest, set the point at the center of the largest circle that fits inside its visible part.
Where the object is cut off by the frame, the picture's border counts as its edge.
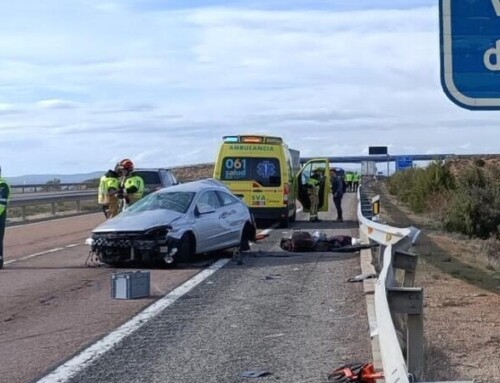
(105, 185)
(312, 182)
(4, 195)
(138, 182)
(349, 177)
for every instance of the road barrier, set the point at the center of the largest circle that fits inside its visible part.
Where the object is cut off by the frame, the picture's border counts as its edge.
(398, 303)
(24, 200)
(38, 188)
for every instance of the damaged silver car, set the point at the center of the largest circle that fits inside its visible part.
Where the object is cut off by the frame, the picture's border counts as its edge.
(174, 224)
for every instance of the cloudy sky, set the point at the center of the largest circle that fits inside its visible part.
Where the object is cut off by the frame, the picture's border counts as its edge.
(84, 83)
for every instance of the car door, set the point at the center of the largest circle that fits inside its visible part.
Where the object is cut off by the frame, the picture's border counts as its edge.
(301, 178)
(232, 217)
(207, 227)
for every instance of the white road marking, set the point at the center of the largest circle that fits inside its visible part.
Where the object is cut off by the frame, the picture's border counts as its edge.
(23, 225)
(26, 257)
(73, 366)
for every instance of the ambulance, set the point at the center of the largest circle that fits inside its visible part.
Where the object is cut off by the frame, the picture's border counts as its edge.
(266, 174)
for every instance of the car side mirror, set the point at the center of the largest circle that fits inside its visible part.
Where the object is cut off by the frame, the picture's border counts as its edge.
(204, 209)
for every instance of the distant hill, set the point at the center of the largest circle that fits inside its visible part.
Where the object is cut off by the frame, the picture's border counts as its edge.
(193, 172)
(183, 174)
(44, 178)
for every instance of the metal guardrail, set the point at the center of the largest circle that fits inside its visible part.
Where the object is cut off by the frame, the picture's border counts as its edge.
(398, 304)
(23, 201)
(37, 188)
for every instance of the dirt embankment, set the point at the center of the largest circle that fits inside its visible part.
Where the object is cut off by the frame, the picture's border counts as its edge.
(458, 165)
(461, 299)
(193, 172)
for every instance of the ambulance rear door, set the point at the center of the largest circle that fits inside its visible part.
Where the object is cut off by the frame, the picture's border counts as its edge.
(303, 175)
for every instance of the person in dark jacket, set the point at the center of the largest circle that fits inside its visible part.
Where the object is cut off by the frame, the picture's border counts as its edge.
(337, 192)
(4, 199)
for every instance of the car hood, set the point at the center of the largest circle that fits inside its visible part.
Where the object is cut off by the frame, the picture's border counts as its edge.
(138, 221)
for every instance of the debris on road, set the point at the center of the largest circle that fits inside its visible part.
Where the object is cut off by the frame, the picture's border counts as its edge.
(356, 372)
(255, 374)
(303, 241)
(272, 276)
(362, 277)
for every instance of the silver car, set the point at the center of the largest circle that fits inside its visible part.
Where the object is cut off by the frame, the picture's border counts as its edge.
(174, 224)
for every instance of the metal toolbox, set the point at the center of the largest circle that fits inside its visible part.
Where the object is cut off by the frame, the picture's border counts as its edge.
(130, 285)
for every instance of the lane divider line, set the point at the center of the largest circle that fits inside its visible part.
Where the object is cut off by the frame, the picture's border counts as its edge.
(69, 369)
(26, 257)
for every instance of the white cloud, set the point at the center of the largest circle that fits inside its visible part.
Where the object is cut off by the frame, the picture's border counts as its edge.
(56, 104)
(99, 81)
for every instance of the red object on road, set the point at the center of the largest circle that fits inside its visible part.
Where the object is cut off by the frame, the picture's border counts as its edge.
(357, 373)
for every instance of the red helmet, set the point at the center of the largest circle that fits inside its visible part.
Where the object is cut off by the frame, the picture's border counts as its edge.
(127, 164)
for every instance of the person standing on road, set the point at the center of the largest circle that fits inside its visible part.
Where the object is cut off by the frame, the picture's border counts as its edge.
(109, 184)
(348, 178)
(355, 181)
(313, 184)
(131, 185)
(4, 199)
(337, 192)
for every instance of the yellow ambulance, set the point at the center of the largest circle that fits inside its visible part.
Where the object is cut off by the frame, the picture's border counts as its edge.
(265, 173)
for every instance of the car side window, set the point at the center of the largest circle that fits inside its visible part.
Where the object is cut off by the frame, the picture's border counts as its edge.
(209, 198)
(226, 198)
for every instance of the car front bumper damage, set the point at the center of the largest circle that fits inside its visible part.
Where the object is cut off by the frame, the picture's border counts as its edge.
(112, 248)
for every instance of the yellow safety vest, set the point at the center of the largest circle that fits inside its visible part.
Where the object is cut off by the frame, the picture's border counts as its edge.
(4, 195)
(105, 184)
(138, 182)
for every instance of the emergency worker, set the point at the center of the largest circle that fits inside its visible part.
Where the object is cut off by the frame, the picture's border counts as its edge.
(4, 199)
(337, 193)
(109, 185)
(355, 181)
(131, 185)
(313, 185)
(348, 179)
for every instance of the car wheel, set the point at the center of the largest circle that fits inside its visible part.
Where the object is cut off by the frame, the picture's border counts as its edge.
(185, 248)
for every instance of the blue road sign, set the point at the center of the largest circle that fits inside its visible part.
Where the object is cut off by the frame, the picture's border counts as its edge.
(404, 163)
(470, 52)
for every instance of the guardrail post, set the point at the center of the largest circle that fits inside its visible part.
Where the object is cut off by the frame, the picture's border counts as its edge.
(415, 345)
(408, 262)
(380, 256)
(23, 213)
(78, 206)
(409, 300)
(53, 208)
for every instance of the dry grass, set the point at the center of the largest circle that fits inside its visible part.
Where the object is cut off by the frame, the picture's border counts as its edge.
(461, 298)
(193, 172)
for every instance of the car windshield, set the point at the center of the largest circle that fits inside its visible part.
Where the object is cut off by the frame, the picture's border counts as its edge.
(176, 201)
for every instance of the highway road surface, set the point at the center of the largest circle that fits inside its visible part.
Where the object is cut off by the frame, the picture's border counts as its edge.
(292, 317)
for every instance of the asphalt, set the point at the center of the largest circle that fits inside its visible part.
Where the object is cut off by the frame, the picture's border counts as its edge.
(291, 316)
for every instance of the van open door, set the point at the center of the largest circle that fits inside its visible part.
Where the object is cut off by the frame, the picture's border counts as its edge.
(303, 175)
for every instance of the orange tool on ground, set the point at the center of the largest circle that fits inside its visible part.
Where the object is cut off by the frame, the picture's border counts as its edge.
(357, 373)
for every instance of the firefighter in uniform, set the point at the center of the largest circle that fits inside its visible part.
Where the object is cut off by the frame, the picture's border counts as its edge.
(313, 184)
(4, 199)
(109, 184)
(131, 185)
